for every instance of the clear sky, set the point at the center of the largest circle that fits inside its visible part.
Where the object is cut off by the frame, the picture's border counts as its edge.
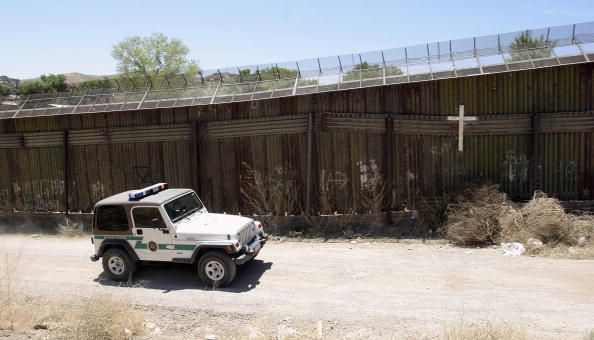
(62, 36)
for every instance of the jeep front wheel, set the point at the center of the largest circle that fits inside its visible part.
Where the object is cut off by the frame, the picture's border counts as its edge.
(216, 269)
(118, 265)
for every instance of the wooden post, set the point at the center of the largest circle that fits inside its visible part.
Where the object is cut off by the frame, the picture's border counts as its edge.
(308, 179)
(66, 173)
(461, 119)
(536, 126)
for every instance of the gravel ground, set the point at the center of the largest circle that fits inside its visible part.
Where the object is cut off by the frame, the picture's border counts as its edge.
(337, 290)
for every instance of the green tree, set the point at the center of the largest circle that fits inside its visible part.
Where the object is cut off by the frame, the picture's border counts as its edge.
(153, 56)
(54, 82)
(47, 83)
(525, 46)
(4, 90)
(367, 71)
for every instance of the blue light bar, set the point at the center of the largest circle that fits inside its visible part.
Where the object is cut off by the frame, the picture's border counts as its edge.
(153, 189)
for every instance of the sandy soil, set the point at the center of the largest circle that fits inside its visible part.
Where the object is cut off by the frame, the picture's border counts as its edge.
(346, 290)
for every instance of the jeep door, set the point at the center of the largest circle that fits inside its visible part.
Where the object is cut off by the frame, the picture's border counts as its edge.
(148, 222)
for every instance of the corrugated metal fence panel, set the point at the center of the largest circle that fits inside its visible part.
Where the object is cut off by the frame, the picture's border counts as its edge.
(561, 154)
(225, 163)
(254, 127)
(429, 166)
(353, 122)
(503, 159)
(98, 171)
(347, 163)
(131, 135)
(568, 122)
(116, 151)
(32, 179)
(43, 139)
(12, 140)
(6, 182)
(586, 185)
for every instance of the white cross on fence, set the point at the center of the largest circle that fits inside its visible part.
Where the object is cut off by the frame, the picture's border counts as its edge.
(461, 119)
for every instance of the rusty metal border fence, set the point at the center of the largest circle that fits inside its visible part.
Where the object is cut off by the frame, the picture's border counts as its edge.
(532, 130)
(552, 46)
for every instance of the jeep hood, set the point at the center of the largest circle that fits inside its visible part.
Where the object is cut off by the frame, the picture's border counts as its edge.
(209, 224)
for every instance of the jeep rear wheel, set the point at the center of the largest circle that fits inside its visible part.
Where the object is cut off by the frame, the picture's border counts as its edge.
(216, 269)
(118, 265)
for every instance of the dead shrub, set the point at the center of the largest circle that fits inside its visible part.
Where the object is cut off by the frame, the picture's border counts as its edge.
(484, 331)
(108, 317)
(433, 213)
(473, 216)
(373, 196)
(269, 198)
(9, 301)
(104, 317)
(70, 229)
(545, 219)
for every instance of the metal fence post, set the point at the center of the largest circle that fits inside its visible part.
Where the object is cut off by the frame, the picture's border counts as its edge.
(476, 56)
(214, 95)
(80, 101)
(429, 63)
(340, 72)
(21, 107)
(308, 179)
(383, 68)
(296, 84)
(144, 97)
(389, 161)
(195, 158)
(66, 174)
(536, 127)
(406, 63)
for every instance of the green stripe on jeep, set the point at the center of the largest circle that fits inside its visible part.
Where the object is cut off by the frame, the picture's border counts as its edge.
(129, 238)
(184, 246)
(163, 246)
(140, 245)
(178, 246)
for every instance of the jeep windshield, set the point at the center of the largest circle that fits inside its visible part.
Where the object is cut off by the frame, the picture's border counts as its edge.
(183, 206)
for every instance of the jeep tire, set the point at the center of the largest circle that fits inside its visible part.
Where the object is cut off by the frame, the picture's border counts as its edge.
(216, 269)
(118, 265)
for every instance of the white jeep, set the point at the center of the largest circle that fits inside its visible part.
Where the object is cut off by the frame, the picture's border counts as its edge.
(171, 225)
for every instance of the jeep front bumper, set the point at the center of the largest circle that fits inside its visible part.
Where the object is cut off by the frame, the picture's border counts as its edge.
(252, 249)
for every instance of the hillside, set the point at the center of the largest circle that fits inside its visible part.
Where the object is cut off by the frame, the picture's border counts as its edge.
(73, 78)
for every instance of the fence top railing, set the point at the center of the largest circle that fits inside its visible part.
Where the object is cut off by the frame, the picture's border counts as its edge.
(529, 49)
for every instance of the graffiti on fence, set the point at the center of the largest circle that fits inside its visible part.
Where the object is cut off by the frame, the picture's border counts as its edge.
(516, 166)
(369, 174)
(333, 180)
(143, 175)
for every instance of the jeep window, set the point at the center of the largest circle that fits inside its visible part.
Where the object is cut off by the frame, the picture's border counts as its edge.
(111, 218)
(183, 206)
(147, 218)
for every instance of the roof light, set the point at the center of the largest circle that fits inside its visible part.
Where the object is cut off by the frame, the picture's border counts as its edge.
(153, 189)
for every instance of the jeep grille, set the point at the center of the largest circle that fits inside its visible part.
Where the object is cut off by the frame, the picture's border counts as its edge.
(247, 233)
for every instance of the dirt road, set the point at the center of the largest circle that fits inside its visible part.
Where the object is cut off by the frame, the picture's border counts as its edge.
(355, 290)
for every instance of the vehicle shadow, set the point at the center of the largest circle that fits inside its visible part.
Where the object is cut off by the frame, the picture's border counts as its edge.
(174, 276)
